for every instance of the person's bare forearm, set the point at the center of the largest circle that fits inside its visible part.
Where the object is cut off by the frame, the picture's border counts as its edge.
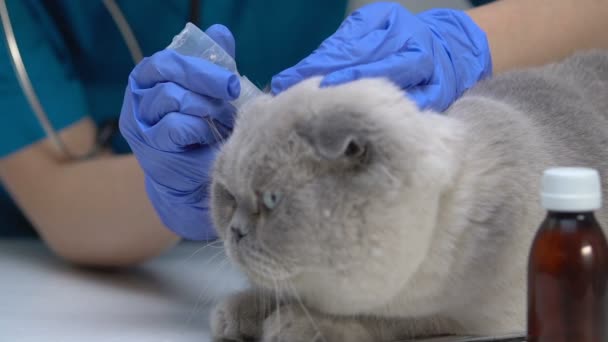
(525, 33)
(106, 199)
(92, 212)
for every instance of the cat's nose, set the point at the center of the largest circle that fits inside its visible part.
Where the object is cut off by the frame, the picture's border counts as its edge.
(239, 232)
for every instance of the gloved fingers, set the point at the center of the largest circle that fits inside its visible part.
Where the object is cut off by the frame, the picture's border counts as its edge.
(406, 69)
(177, 132)
(223, 37)
(318, 63)
(288, 77)
(430, 96)
(376, 45)
(335, 55)
(193, 73)
(374, 16)
(182, 175)
(191, 220)
(169, 97)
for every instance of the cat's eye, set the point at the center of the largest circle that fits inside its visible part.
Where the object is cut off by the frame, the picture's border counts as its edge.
(271, 199)
(355, 150)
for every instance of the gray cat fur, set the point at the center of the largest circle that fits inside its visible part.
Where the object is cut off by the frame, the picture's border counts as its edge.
(423, 227)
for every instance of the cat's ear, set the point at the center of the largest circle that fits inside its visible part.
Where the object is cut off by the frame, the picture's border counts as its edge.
(335, 137)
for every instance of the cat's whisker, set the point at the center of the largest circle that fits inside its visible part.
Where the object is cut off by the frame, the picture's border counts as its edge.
(306, 312)
(260, 300)
(222, 265)
(212, 259)
(207, 245)
(267, 303)
(213, 128)
(200, 301)
(318, 334)
(341, 268)
(216, 133)
(278, 308)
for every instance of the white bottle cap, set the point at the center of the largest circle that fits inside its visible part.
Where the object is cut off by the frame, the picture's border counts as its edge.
(571, 189)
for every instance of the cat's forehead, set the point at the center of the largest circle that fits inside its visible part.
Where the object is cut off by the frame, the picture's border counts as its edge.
(264, 139)
(264, 153)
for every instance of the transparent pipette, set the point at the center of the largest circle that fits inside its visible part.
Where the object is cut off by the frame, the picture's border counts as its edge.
(192, 41)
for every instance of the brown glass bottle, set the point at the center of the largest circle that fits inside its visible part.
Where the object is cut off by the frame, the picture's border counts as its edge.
(568, 276)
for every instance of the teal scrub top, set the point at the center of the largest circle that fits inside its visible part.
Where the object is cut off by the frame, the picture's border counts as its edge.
(78, 62)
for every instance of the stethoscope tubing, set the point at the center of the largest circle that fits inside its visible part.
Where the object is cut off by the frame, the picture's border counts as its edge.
(28, 89)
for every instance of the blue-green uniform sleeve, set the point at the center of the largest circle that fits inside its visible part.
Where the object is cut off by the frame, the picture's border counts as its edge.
(480, 2)
(56, 84)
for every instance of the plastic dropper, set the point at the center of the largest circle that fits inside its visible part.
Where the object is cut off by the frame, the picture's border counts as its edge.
(192, 41)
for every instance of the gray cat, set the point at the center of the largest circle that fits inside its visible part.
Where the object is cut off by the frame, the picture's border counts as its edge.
(363, 219)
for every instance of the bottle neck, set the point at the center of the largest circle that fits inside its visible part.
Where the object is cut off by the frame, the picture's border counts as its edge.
(570, 220)
(570, 215)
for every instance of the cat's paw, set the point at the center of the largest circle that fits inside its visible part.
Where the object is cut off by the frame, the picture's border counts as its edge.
(239, 317)
(291, 323)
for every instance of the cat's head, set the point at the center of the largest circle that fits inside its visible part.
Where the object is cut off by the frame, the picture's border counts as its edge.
(332, 192)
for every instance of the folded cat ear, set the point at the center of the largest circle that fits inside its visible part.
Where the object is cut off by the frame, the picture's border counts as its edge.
(335, 137)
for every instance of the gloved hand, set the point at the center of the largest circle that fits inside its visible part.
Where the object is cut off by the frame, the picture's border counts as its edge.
(435, 55)
(174, 112)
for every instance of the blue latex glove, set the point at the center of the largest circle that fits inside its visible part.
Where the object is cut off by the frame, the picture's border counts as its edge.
(169, 103)
(435, 55)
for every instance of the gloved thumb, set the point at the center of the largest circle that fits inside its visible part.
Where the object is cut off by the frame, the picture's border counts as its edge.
(223, 37)
(434, 97)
